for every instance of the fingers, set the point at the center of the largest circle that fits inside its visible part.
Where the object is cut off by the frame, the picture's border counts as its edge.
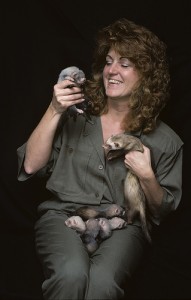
(138, 162)
(66, 94)
(66, 87)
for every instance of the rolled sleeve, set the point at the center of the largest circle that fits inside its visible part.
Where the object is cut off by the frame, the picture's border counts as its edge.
(43, 172)
(171, 181)
(22, 175)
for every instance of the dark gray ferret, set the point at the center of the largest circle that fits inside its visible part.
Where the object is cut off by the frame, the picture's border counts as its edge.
(77, 78)
(116, 146)
(89, 236)
(87, 212)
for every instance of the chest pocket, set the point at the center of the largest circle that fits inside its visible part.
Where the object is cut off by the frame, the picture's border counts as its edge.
(70, 172)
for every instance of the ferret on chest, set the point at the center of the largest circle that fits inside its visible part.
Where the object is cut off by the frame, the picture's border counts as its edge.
(116, 146)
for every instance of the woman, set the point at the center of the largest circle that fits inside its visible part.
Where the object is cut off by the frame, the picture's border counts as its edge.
(128, 90)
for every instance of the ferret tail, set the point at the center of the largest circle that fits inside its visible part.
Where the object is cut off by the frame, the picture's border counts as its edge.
(145, 225)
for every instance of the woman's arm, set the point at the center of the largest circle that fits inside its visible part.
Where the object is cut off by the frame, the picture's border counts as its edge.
(140, 164)
(39, 144)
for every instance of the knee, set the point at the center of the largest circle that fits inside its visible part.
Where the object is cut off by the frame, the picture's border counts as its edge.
(104, 285)
(72, 275)
(67, 282)
(105, 282)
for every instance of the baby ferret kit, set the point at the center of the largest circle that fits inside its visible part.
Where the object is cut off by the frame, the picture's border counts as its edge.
(95, 225)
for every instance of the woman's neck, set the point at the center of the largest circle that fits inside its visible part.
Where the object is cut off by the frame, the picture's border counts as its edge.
(117, 110)
(112, 120)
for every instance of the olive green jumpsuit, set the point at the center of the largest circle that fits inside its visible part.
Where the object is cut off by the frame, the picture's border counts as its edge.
(78, 174)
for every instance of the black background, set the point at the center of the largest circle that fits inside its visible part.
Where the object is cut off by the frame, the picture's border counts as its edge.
(39, 38)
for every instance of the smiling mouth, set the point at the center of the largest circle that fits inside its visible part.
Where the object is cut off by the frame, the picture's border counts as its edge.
(114, 81)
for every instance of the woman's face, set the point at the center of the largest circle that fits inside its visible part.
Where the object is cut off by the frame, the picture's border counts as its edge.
(119, 76)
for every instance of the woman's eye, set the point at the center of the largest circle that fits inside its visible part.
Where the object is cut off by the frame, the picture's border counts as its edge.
(108, 62)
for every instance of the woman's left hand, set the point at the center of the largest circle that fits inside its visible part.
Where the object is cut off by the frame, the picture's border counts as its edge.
(139, 162)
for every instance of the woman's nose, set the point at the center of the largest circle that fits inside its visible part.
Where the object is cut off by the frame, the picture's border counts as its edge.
(113, 69)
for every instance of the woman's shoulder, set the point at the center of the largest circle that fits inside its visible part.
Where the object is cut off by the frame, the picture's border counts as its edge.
(163, 136)
(166, 131)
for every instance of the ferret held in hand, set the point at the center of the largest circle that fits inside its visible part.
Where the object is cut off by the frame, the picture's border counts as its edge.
(77, 78)
(116, 146)
(94, 230)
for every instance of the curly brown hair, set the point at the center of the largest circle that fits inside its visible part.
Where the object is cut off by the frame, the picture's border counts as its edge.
(148, 54)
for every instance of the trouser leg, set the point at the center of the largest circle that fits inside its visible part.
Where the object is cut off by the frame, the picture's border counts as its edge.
(64, 259)
(114, 263)
(71, 274)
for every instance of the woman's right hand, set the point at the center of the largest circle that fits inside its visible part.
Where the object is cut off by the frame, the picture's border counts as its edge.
(66, 94)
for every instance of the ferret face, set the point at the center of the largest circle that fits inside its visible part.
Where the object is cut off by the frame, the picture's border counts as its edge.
(105, 228)
(73, 74)
(92, 225)
(79, 77)
(76, 222)
(117, 223)
(113, 143)
(123, 141)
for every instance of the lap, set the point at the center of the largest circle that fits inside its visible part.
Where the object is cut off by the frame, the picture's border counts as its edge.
(122, 252)
(57, 245)
(55, 241)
